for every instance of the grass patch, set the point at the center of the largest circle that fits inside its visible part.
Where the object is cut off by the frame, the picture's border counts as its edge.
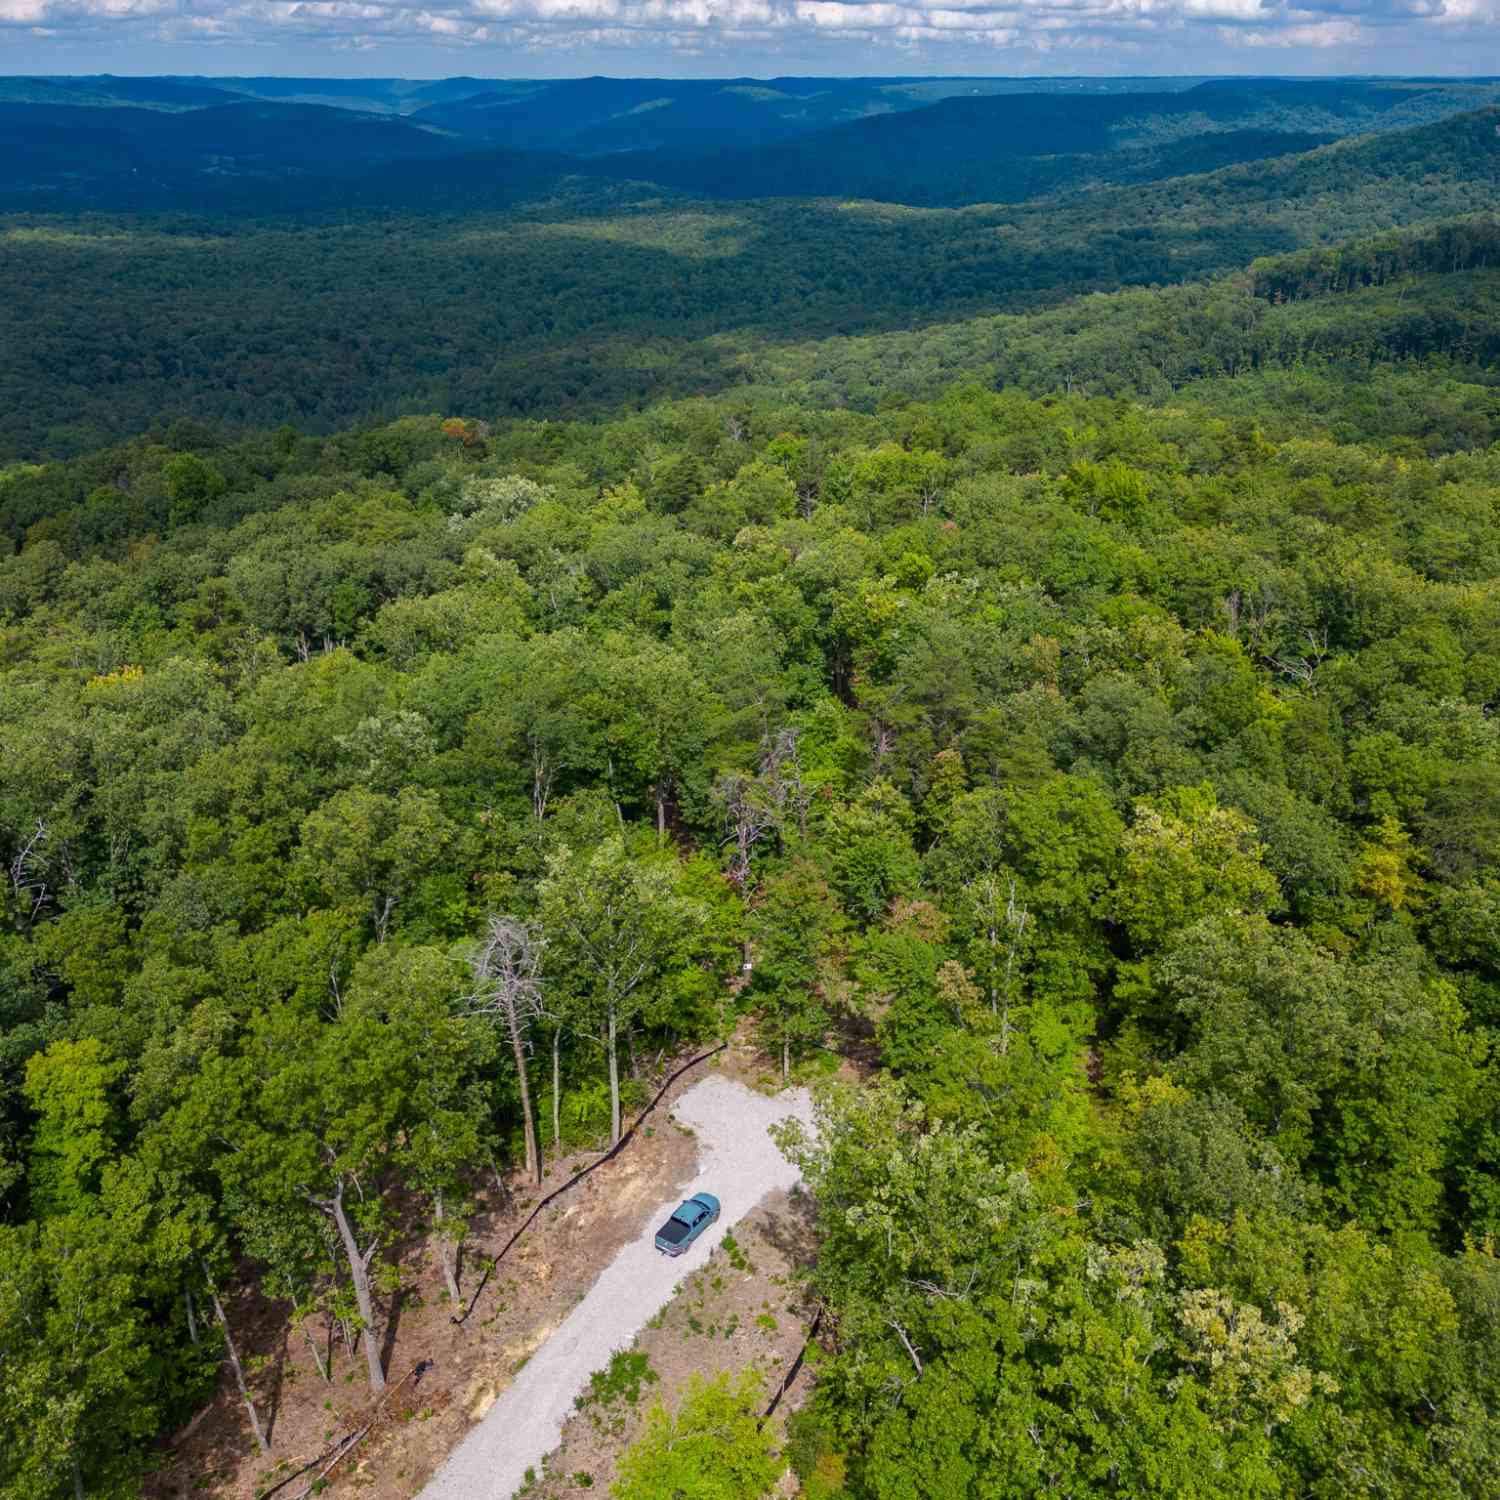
(616, 1387)
(737, 1257)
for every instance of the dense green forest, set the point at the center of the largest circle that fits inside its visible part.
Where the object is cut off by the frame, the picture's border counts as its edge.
(1076, 696)
(580, 302)
(1131, 770)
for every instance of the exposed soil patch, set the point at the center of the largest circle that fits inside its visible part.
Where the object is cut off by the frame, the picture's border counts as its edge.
(530, 1293)
(850, 1057)
(739, 1162)
(744, 1309)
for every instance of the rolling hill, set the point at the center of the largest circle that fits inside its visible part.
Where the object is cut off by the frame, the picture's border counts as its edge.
(601, 116)
(501, 284)
(1010, 148)
(459, 144)
(118, 152)
(106, 91)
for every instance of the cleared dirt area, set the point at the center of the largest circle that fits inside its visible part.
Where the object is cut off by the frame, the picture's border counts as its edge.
(742, 1310)
(740, 1163)
(424, 1417)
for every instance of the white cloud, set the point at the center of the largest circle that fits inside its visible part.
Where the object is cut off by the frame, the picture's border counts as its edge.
(1303, 34)
(1184, 32)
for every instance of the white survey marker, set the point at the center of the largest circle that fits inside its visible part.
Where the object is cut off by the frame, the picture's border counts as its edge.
(739, 1163)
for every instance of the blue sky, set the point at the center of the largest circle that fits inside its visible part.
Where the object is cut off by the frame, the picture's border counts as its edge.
(716, 38)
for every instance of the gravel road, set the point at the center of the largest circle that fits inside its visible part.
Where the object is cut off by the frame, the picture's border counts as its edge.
(739, 1164)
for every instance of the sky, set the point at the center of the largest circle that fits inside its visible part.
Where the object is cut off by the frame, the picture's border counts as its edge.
(759, 38)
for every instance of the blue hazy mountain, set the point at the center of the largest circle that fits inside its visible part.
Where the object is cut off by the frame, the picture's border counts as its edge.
(1009, 148)
(462, 142)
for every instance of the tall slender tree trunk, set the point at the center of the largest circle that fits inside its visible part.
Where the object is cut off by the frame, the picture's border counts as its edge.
(614, 1082)
(541, 783)
(447, 1250)
(239, 1373)
(613, 795)
(77, 1479)
(786, 1056)
(317, 1353)
(359, 1273)
(518, 1046)
(661, 814)
(187, 1302)
(557, 1092)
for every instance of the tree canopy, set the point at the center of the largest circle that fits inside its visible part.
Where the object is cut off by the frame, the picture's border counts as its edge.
(1077, 723)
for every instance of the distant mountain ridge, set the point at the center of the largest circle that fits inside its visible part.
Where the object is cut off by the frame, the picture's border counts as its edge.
(106, 91)
(598, 116)
(464, 142)
(408, 95)
(1007, 149)
(70, 145)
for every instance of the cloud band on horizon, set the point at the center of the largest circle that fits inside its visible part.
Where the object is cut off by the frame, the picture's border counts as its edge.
(968, 34)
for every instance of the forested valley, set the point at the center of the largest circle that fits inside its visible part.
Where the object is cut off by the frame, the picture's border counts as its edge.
(1040, 658)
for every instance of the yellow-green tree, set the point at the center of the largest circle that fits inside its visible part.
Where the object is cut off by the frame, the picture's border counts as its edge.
(712, 1448)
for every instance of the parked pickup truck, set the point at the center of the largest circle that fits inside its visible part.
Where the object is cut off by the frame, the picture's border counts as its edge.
(687, 1223)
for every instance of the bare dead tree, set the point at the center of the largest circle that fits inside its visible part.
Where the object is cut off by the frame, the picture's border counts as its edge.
(1303, 669)
(507, 986)
(937, 1292)
(906, 1344)
(768, 802)
(27, 878)
(748, 816)
(543, 771)
(382, 906)
(1003, 925)
(1232, 609)
(754, 806)
(781, 768)
(1262, 612)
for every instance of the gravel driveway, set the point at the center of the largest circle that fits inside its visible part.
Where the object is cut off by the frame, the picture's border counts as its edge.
(739, 1164)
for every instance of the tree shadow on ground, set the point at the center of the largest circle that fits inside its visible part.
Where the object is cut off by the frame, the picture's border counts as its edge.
(791, 1229)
